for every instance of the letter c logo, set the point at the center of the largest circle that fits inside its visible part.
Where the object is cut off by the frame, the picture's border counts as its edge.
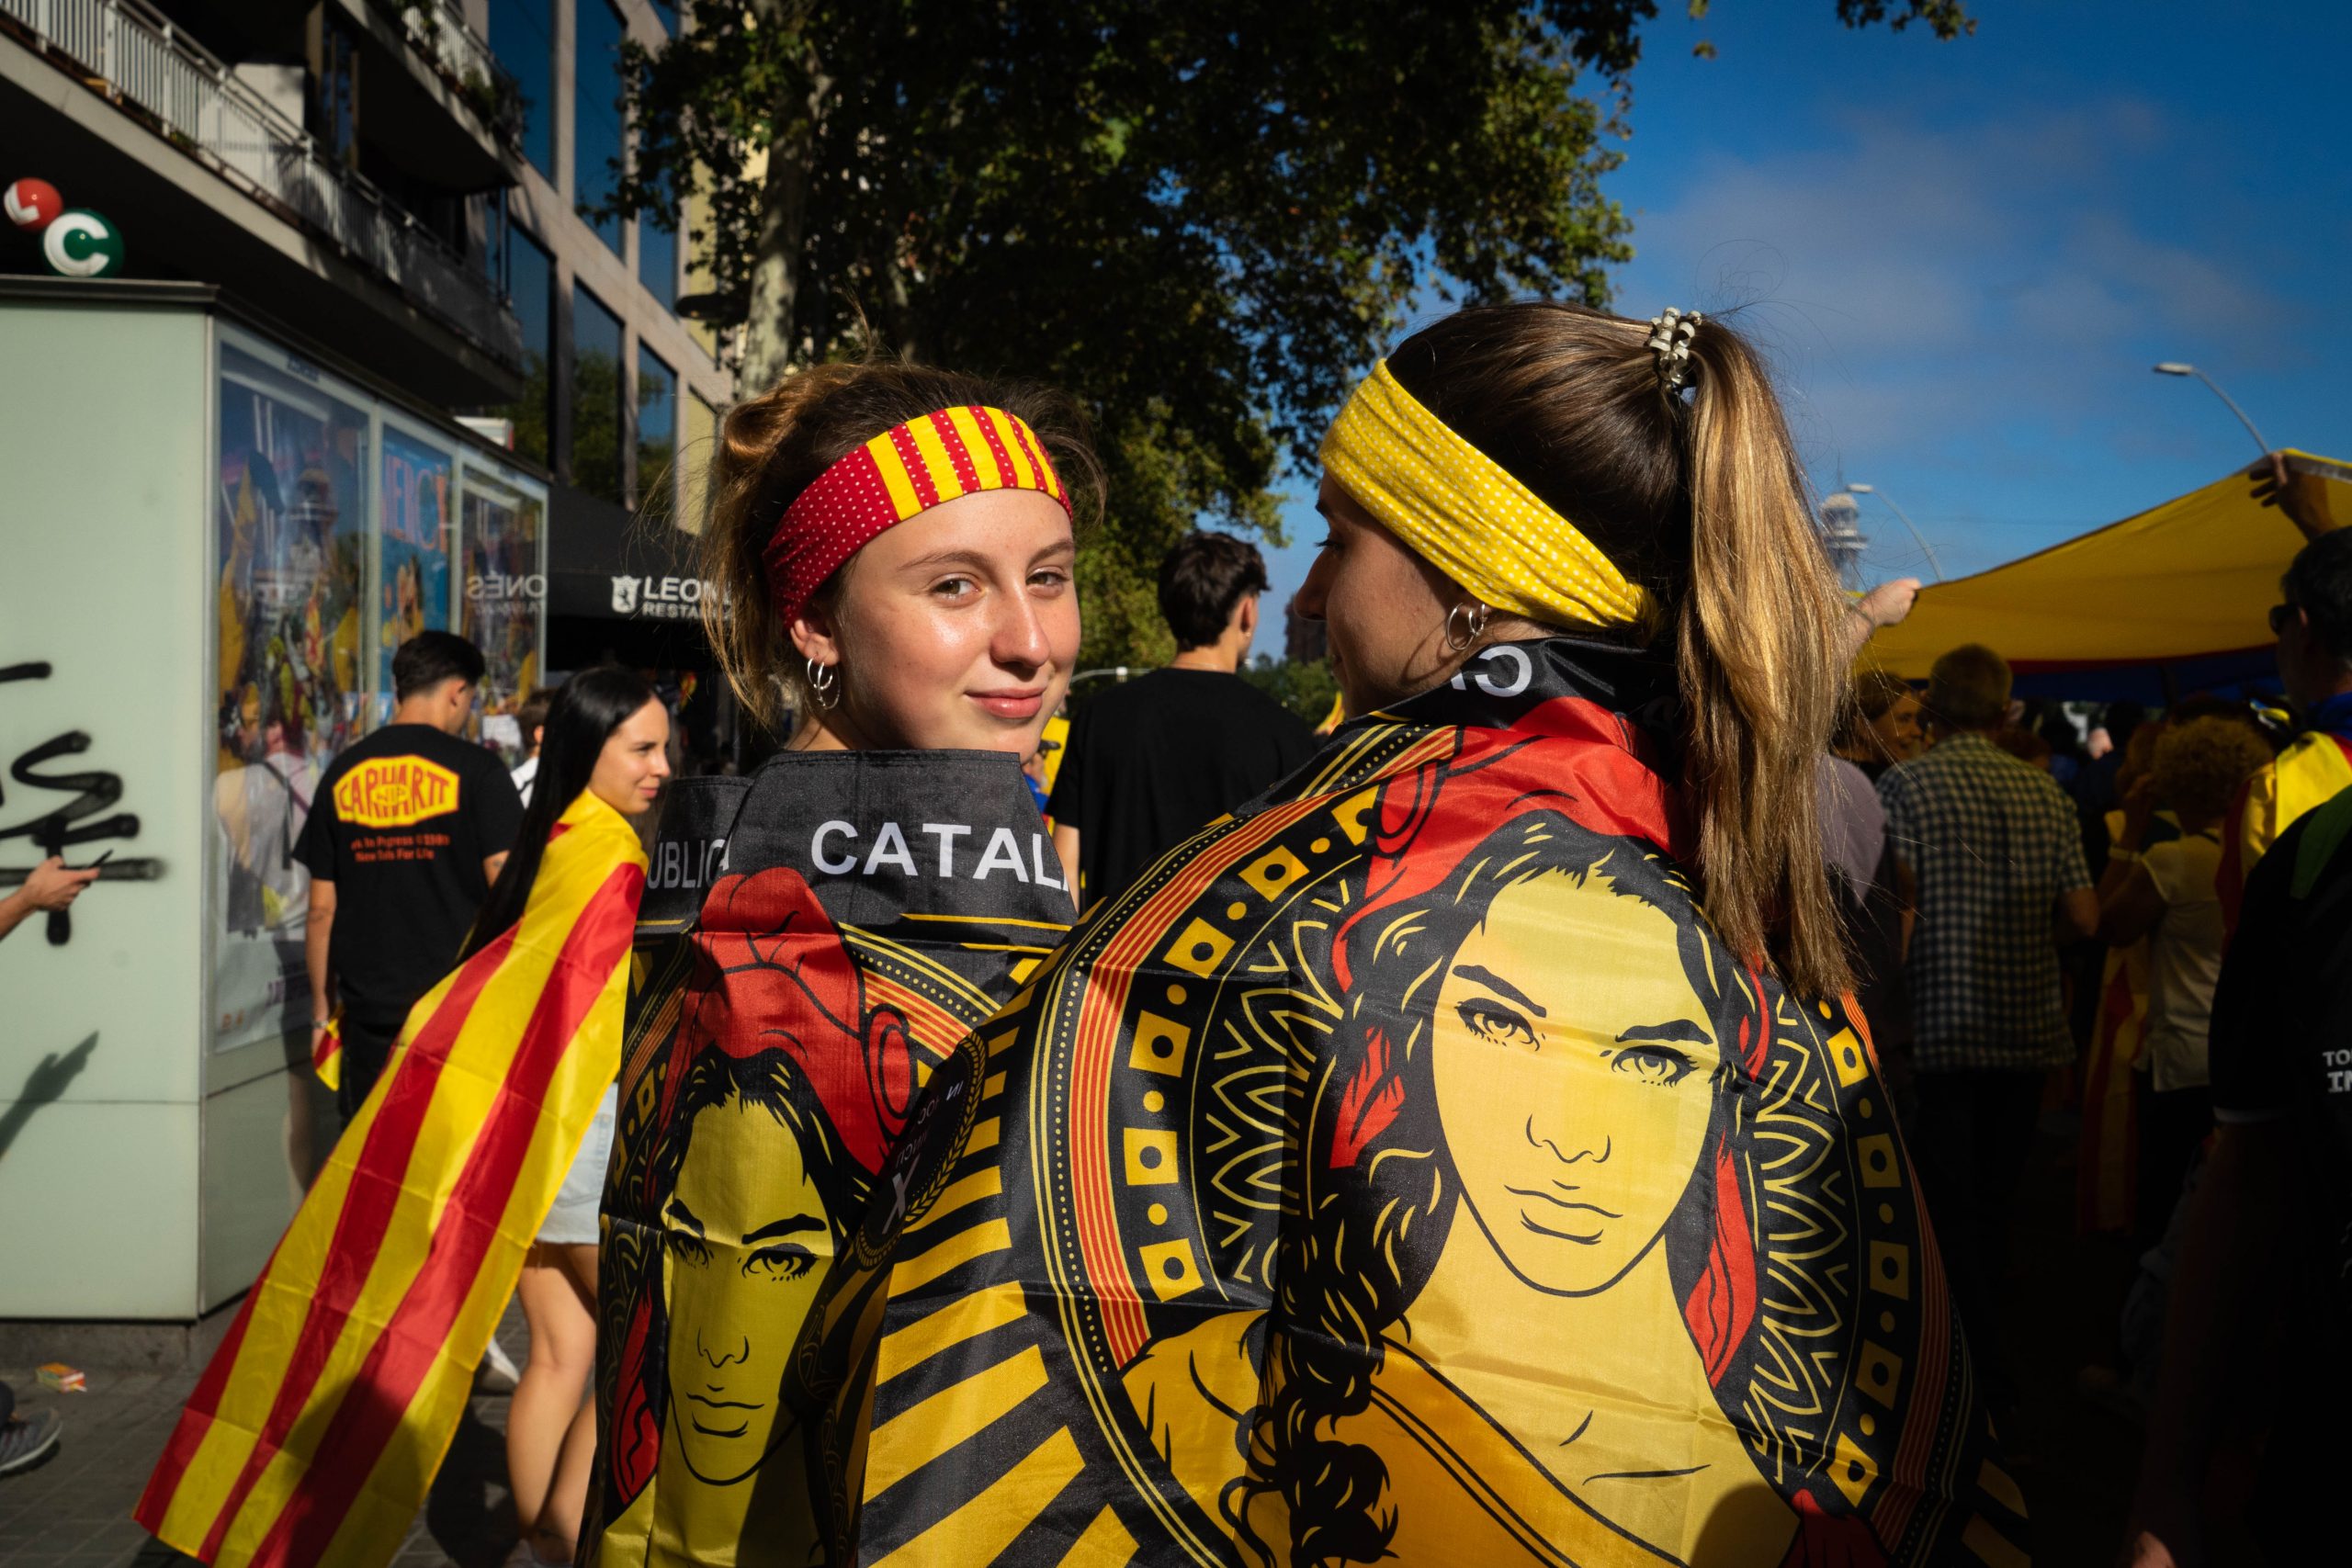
(817, 850)
(1517, 684)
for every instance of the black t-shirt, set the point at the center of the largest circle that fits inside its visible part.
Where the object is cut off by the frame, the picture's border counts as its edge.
(401, 824)
(2281, 1055)
(1153, 761)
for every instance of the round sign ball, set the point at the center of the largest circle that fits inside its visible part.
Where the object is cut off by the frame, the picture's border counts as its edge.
(80, 244)
(32, 204)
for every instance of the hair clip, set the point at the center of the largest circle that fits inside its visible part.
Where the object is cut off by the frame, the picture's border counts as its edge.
(1669, 344)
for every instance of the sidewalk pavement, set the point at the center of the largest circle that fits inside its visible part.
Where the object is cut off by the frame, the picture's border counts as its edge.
(73, 1509)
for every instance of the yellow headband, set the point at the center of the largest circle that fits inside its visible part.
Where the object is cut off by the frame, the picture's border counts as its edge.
(1464, 513)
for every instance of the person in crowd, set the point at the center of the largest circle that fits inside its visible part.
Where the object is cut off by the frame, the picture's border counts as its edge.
(2313, 622)
(607, 736)
(27, 1439)
(531, 718)
(2107, 746)
(325, 1412)
(1880, 725)
(895, 547)
(2060, 753)
(2263, 1291)
(2026, 746)
(2167, 893)
(1157, 758)
(49, 887)
(1998, 857)
(1873, 898)
(1390, 1152)
(405, 836)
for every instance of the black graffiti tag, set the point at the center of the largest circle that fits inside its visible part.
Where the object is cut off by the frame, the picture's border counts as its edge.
(71, 823)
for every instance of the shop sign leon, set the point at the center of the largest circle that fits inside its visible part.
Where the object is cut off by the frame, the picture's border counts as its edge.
(661, 598)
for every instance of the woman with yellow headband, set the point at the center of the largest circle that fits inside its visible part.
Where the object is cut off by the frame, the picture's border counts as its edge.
(1462, 1153)
(893, 547)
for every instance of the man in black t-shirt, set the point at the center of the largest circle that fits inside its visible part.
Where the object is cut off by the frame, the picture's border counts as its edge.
(2262, 1297)
(1153, 761)
(405, 835)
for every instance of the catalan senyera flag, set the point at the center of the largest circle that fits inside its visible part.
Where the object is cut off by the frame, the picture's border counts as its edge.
(2107, 1164)
(315, 1433)
(326, 1054)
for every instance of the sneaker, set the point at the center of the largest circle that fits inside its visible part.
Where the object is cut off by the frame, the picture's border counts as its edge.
(497, 1373)
(26, 1440)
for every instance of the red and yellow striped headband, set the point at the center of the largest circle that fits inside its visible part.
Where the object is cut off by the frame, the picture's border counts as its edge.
(923, 463)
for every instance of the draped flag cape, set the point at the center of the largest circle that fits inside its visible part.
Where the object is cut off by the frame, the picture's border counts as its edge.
(1402, 1170)
(814, 939)
(2107, 1146)
(2307, 774)
(315, 1433)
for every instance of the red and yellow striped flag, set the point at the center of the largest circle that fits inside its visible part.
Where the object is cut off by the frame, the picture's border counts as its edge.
(326, 1052)
(316, 1431)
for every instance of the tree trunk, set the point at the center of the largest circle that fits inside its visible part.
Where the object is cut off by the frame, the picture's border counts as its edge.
(771, 326)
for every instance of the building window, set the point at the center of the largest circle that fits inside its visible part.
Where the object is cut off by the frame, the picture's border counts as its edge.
(657, 432)
(523, 39)
(595, 397)
(596, 130)
(531, 278)
(657, 261)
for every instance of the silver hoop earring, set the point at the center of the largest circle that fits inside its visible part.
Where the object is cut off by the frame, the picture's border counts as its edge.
(824, 686)
(1464, 624)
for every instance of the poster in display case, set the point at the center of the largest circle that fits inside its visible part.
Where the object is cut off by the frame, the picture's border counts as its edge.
(504, 595)
(413, 543)
(291, 524)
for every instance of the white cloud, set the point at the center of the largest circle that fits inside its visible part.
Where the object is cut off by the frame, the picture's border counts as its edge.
(1959, 301)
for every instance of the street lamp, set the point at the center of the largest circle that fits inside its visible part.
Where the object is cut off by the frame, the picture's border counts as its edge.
(2175, 367)
(1926, 548)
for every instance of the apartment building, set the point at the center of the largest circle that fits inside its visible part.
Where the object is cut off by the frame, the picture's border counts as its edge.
(375, 363)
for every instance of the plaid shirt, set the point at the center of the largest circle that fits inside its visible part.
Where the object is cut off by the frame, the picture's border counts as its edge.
(1994, 842)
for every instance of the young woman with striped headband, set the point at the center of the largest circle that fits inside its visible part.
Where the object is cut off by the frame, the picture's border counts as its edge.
(889, 611)
(1462, 1153)
(893, 547)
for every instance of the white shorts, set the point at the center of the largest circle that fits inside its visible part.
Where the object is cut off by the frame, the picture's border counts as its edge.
(572, 1221)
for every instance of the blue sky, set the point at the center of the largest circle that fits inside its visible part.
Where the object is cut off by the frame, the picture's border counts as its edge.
(1963, 257)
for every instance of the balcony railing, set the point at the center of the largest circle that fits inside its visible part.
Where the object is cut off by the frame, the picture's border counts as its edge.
(438, 30)
(151, 71)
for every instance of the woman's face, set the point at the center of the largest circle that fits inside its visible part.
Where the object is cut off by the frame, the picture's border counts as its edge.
(741, 1268)
(1896, 731)
(1383, 606)
(635, 761)
(1575, 1115)
(957, 628)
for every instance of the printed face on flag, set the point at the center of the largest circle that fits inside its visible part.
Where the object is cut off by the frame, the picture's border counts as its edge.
(1575, 1115)
(743, 1259)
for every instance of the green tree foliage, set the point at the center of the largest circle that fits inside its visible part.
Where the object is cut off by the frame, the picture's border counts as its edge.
(1201, 217)
(1308, 689)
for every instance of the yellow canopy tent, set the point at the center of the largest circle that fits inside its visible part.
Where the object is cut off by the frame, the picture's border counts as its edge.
(2157, 605)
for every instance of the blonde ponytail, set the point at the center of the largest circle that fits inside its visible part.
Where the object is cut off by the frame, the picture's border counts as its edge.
(1760, 658)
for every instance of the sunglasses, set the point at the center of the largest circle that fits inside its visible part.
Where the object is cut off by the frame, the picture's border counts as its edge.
(2279, 615)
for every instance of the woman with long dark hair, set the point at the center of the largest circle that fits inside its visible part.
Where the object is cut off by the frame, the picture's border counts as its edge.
(314, 1434)
(607, 738)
